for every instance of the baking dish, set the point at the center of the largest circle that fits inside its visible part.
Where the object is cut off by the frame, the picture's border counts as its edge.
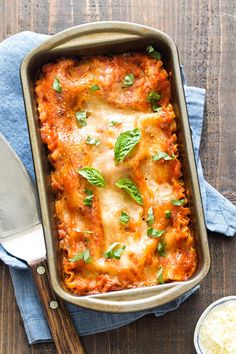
(104, 38)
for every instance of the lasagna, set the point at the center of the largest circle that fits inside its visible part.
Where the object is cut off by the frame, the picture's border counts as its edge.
(121, 208)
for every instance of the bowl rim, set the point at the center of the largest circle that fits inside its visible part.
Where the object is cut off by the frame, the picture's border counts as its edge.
(204, 315)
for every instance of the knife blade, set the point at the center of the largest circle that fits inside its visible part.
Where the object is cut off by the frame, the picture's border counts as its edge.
(21, 235)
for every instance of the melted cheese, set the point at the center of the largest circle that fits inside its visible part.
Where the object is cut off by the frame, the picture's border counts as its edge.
(217, 332)
(95, 228)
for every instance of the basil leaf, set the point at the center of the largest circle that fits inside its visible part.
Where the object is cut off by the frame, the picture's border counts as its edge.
(88, 191)
(162, 155)
(57, 85)
(161, 249)
(154, 232)
(115, 250)
(150, 217)
(125, 143)
(92, 141)
(153, 52)
(129, 186)
(160, 276)
(88, 201)
(81, 118)
(82, 256)
(124, 218)
(115, 122)
(128, 80)
(168, 214)
(153, 96)
(178, 202)
(93, 176)
(84, 231)
(156, 108)
(94, 88)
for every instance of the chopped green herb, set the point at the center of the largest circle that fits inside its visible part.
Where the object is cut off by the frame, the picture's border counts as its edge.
(94, 88)
(124, 218)
(93, 176)
(125, 143)
(168, 214)
(156, 108)
(150, 217)
(153, 96)
(115, 250)
(160, 276)
(82, 256)
(88, 201)
(161, 249)
(154, 232)
(128, 80)
(92, 141)
(162, 155)
(81, 118)
(56, 85)
(178, 202)
(88, 191)
(153, 52)
(84, 231)
(129, 186)
(115, 122)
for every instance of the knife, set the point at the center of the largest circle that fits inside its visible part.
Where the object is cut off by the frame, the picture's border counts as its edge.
(21, 235)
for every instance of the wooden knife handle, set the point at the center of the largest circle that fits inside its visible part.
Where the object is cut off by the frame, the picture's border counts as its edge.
(63, 332)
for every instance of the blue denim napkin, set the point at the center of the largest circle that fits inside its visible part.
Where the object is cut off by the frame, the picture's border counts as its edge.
(219, 212)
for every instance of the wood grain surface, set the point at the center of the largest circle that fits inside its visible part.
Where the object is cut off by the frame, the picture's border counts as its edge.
(63, 331)
(205, 32)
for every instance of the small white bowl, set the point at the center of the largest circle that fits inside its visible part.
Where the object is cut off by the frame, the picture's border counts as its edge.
(221, 301)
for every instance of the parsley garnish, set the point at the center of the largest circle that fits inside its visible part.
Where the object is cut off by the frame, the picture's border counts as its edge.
(153, 52)
(94, 88)
(168, 214)
(150, 217)
(57, 85)
(81, 118)
(89, 199)
(162, 155)
(154, 232)
(161, 249)
(128, 80)
(178, 202)
(115, 250)
(82, 256)
(160, 276)
(92, 141)
(124, 218)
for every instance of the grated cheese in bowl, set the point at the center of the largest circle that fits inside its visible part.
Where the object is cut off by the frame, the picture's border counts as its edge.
(215, 332)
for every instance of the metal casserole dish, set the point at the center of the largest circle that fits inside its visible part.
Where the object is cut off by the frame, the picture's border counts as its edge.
(102, 38)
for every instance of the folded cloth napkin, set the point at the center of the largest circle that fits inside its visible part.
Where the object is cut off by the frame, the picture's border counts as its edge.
(219, 212)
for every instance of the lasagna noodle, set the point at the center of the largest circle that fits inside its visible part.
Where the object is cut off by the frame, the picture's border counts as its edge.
(112, 109)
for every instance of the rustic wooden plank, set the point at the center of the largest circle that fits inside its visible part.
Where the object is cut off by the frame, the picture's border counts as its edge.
(204, 31)
(226, 171)
(2, 23)
(227, 78)
(10, 18)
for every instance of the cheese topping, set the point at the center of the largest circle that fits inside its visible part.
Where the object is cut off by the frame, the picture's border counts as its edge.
(87, 215)
(218, 331)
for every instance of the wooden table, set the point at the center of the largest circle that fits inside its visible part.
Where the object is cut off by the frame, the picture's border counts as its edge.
(205, 33)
